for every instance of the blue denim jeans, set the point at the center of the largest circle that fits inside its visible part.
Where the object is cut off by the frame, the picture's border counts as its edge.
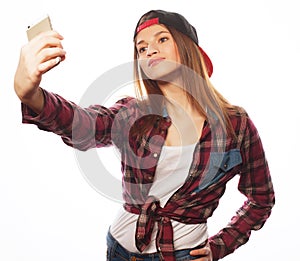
(115, 252)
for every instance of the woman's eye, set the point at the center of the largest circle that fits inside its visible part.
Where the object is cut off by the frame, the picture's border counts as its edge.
(142, 49)
(163, 39)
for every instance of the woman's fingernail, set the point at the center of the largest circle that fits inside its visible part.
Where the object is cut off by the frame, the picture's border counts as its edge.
(57, 59)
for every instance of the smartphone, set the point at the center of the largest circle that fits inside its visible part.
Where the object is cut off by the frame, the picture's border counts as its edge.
(42, 25)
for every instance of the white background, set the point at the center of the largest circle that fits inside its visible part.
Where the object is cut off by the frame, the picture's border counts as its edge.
(47, 209)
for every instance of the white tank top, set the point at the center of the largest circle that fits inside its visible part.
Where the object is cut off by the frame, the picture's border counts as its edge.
(172, 170)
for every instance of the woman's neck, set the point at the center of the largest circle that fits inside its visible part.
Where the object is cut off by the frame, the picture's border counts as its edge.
(176, 97)
(187, 122)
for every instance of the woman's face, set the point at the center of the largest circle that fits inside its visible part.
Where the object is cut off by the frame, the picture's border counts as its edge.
(157, 51)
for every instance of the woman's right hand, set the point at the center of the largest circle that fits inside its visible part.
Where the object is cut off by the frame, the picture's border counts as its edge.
(37, 57)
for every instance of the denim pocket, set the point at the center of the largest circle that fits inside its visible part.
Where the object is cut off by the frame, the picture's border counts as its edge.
(219, 164)
(114, 251)
(114, 254)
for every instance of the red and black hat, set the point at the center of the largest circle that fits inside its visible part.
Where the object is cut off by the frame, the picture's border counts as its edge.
(179, 23)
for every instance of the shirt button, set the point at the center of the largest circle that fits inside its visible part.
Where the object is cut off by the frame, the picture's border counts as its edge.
(155, 155)
(192, 173)
(165, 221)
(225, 166)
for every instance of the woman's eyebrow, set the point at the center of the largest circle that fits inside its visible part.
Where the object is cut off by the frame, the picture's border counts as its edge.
(155, 35)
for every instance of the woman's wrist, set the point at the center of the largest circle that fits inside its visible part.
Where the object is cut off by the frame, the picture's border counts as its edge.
(35, 101)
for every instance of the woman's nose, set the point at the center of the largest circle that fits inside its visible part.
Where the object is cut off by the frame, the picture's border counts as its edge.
(152, 49)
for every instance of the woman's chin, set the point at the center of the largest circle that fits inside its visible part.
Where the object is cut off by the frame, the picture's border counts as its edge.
(163, 74)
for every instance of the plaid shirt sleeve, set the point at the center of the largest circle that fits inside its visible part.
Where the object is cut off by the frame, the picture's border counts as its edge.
(81, 128)
(255, 183)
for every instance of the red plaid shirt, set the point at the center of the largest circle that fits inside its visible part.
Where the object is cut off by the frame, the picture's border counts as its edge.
(216, 160)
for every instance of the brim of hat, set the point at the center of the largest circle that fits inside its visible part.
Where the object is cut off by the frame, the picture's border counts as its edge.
(208, 63)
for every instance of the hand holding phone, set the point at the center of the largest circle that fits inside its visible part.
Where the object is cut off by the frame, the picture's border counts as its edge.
(43, 25)
(36, 58)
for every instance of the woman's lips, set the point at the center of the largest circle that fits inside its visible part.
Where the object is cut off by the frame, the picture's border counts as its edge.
(155, 61)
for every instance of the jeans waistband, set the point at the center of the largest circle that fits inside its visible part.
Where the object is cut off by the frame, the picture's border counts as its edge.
(114, 246)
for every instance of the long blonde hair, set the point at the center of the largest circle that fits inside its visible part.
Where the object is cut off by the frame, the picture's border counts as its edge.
(197, 85)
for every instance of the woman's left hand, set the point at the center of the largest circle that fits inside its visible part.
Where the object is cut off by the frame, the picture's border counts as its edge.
(203, 253)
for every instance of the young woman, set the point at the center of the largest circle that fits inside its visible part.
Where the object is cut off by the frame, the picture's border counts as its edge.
(180, 143)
